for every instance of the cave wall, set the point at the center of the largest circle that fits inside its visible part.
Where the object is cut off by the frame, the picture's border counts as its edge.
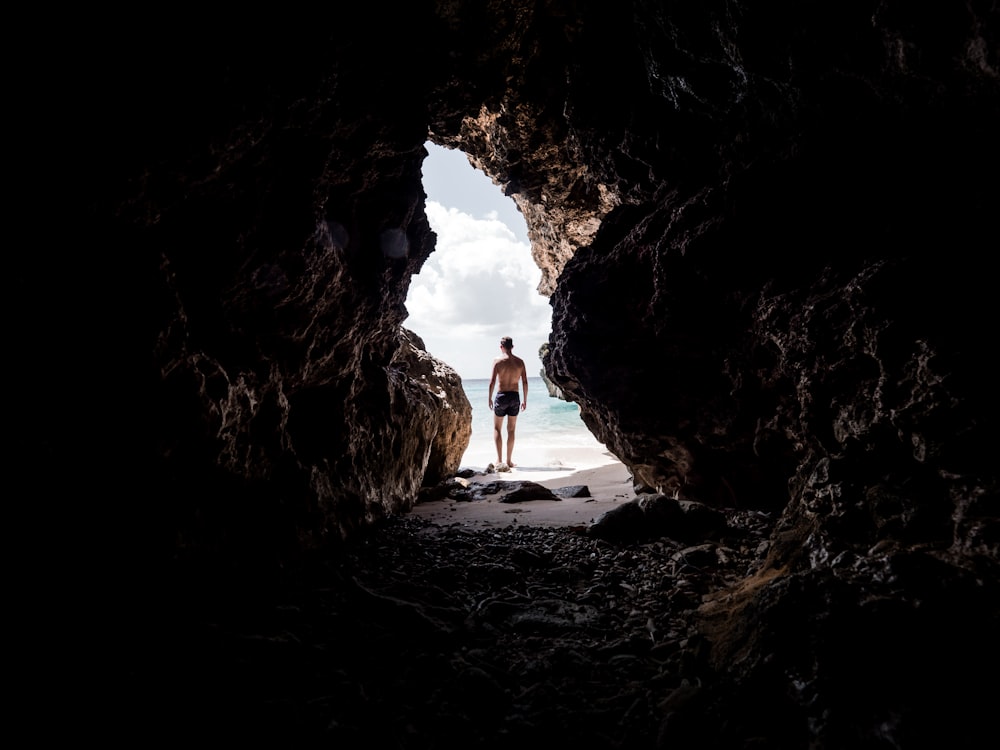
(765, 230)
(243, 210)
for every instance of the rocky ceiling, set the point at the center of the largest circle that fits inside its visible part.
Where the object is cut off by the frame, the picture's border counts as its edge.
(766, 230)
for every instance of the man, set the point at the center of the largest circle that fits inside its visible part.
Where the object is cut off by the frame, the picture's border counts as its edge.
(507, 370)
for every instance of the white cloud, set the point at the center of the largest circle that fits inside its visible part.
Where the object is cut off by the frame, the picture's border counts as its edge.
(452, 181)
(479, 284)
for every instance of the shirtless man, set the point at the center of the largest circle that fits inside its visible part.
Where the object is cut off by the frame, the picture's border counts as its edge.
(507, 369)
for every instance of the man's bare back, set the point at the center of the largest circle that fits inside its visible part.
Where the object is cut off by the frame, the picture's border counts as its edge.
(507, 371)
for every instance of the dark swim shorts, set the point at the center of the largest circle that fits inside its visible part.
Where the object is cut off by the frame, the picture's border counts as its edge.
(507, 403)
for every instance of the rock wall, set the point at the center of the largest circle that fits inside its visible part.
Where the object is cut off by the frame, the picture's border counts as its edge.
(765, 230)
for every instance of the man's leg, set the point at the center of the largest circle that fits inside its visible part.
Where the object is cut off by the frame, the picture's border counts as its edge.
(497, 424)
(511, 425)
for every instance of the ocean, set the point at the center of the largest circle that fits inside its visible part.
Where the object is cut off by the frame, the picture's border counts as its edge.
(550, 432)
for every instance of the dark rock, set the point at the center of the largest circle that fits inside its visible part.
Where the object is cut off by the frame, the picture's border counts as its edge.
(655, 516)
(698, 521)
(485, 489)
(448, 488)
(701, 556)
(554, 390)
(623, 523)
(760, 227)
(572, 490)
(525, 491)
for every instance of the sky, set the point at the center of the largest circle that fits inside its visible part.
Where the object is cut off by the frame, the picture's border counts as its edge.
(480, 283)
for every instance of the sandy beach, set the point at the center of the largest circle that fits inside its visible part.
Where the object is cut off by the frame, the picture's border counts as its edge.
(552, 466)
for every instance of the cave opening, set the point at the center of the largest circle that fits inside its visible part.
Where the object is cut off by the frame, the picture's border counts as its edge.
(480, 283)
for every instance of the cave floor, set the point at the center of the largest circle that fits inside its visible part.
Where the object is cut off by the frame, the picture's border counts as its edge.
(427, 635)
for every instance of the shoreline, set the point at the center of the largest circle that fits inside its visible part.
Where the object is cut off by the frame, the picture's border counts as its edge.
(606, 477)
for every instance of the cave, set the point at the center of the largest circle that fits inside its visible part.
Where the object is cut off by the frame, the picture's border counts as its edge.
(766, 232)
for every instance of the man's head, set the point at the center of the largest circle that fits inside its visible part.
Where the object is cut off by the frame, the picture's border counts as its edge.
(507, 343)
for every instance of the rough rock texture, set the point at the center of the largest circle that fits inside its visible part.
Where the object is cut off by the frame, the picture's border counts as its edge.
(432, 391)
(426, 636)
(766, 232)
(554, 390)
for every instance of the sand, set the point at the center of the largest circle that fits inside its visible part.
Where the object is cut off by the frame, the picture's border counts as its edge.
(606, 477)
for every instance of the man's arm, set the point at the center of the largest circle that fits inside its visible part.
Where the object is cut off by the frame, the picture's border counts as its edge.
(493, 380)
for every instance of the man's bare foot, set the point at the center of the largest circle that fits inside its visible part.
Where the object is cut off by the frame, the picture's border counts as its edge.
(511, 464)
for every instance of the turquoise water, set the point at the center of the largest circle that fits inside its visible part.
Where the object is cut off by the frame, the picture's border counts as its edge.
(547, 429)
(546, 417)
